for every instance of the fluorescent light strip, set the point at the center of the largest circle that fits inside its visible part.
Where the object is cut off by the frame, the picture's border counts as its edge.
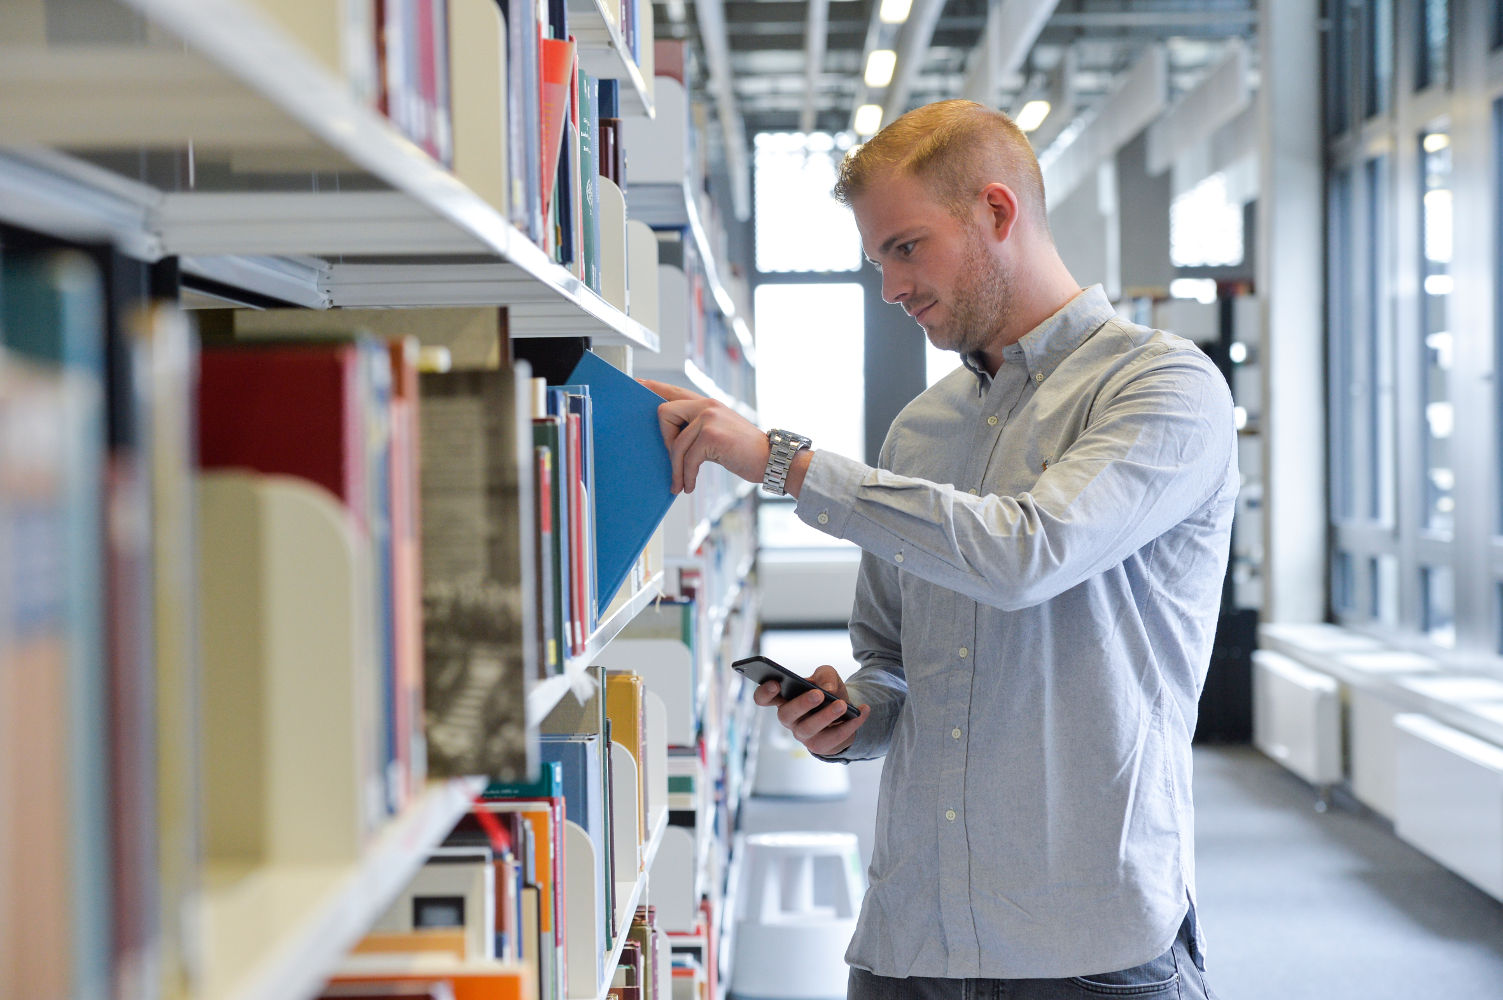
(879, 66)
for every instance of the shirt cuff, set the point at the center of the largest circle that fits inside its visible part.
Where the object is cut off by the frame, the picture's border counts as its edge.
(828, 495)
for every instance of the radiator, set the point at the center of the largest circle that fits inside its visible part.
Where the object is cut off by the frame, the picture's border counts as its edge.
(1297, 717)
(1448, 798)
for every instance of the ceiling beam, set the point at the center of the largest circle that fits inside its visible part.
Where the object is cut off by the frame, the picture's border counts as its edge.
(717, 49)
(814, 59)
(1012, 26)
(913, 46)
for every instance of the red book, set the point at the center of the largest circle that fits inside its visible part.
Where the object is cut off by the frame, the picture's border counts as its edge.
(558, 72)
(290, 410)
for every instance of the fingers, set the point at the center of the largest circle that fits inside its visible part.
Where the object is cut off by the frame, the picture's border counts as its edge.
(668, 391)
(838, 737)
(698, 430)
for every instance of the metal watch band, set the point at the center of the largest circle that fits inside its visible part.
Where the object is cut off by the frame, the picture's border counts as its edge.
(784, 445)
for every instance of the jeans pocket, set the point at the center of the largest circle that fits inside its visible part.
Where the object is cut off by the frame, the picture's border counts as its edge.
(1157, 977)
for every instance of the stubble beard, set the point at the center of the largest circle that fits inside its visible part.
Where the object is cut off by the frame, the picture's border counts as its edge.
(980, 303)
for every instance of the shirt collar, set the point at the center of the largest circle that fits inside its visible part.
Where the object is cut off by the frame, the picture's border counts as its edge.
(1044, 347)
(1041, 349)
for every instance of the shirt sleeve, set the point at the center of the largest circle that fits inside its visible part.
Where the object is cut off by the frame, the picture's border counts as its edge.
(876, 641)
(1153, 452)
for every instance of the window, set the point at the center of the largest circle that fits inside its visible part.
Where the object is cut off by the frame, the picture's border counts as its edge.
(1434, 67)
(799, 226)
(1437, 343)
(1205, 226)
(811, 348)
(1342, 585)
(1378, 419)
(1383, 596)
(1338, 46)
(1342, 367)
(1438, 593)
(1377, 63)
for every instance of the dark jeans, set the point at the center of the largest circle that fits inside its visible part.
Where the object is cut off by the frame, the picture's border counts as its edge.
(1177, 974)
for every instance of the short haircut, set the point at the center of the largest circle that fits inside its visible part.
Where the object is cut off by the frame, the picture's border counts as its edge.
(956, 148)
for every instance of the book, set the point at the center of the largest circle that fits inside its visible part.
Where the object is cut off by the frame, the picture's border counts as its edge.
(477, 538)
(548, 435)
(524, 117)
(626, 708)
(632, 475)
(410, 754)
(588, 97)
(587, 869)
(130, 620)
(541, 804)
(465, 980)
(557, 75)
(55, 697)
(172, 387)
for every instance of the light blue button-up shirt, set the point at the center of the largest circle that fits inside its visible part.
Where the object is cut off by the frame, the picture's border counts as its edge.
(1043, 557)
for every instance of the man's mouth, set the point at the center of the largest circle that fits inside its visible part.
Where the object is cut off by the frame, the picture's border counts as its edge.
(917, 314)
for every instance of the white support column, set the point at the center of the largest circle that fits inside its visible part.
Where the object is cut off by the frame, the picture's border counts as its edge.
(1290, 280)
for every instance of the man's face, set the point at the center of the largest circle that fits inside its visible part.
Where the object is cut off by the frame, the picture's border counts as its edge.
(940, 269)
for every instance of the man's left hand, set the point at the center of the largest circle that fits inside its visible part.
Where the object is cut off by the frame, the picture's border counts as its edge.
(698, 430)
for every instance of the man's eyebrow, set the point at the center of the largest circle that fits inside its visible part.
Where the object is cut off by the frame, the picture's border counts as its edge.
(902, 236)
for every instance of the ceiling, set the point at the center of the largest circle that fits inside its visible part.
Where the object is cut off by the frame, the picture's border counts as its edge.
(766, 45)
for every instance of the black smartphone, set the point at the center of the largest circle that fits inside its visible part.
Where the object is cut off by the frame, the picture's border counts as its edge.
(759, 670)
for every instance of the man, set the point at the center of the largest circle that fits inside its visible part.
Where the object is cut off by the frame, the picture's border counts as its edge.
(1044, 543)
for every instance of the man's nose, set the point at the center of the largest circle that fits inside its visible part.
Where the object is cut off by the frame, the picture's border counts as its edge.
(895, 287)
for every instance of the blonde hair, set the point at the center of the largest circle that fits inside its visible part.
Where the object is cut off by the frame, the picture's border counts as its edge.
(956, 148)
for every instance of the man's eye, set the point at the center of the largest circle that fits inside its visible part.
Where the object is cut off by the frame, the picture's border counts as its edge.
(906, 249)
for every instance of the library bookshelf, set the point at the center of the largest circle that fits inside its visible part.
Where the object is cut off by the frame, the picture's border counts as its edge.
(212, 141)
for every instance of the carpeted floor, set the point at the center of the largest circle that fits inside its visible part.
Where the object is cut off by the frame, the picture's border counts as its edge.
(1297, 904)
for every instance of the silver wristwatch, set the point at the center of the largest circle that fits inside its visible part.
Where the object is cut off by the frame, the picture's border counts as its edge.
(785, 445)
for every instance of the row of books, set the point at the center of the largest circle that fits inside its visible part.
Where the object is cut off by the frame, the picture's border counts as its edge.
(97, 690)
(495, 91)
(525, 885)
(255, 593)
(392, 54)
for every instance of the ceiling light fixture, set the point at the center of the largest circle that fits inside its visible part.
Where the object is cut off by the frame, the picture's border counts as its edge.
(868, 119)
(895, 11)
(879, 67)
(1032, 115)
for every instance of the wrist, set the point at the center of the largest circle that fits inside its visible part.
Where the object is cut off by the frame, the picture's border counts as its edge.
(797, 471)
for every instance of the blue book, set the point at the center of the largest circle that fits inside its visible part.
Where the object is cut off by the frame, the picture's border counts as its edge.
(633, 478)
(583, 758)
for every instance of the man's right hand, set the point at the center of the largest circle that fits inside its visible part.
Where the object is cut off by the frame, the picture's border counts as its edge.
(818, 729)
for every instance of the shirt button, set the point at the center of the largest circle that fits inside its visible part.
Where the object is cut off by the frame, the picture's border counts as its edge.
(964, 652)
(898, 557)
(1038, 376)
(955, 733)
(974, 492)
(950, 815)
(991, 421)
(823, 518)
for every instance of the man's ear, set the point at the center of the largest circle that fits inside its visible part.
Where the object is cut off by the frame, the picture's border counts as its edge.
(1000, 204)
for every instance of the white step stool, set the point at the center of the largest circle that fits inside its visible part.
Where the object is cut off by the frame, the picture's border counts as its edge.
(786, 769)
(798, 897)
